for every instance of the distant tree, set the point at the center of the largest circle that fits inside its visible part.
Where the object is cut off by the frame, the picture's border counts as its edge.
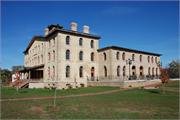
(6, 74)
(14, 68)
(173, 69)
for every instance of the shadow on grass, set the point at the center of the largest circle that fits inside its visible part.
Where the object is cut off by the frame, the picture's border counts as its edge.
(23, 92)
(153, 91)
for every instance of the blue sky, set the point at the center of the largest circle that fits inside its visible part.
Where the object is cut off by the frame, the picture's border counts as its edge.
(151, 26)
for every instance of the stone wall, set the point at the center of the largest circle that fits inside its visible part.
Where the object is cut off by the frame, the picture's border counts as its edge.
(125, 84)
(36, 85)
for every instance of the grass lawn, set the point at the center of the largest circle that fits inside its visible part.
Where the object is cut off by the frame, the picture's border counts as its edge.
(171, 84)
(130, 104)
(26, 92)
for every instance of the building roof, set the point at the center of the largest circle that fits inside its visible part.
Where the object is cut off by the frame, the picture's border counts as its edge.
(75, 33)
(61, 30)
(31, 68)
(32, 40)
(53, 25)
(127, 49)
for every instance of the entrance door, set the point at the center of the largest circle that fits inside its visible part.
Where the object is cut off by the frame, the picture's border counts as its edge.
(133, 70)
(92, 73)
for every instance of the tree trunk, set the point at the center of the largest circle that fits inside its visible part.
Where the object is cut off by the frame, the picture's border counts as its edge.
(164, 89)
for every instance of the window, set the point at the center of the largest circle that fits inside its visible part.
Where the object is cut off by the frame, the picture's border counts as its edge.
(124, 71)
(156, 71)
(80, 42)
(152, 71)
(105, 71)
(38, 48)
(104, 56)
(141, 70)
(67, 55)
(49, 43)
(41, 58)
(53, 55)
(49, 56)
(48, 72)
(67, 71)
(149, 70)
(148, 59)
(92, 56)
(53, 41)
(81, 72)
(123, 56)
(92, 44)
(67, 40)
(156, 59)
(38, 60)
(53, 72)
(118, 71)
(133, 57)
(42, 47)
(80, 55)
(140, 58)
(117, 55)
(152, 59)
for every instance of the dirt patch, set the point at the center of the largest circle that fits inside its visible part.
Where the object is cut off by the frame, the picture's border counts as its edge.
(38, 111)
(53, 108)
(132, 110)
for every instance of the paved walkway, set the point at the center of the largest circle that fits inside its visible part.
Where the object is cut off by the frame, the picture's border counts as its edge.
(37, 98)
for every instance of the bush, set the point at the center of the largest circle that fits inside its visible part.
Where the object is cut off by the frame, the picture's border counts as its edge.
(76, 86)
(63, 89)
(82, 85)
(70, 86)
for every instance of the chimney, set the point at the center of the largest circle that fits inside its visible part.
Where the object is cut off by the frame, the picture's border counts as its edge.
(46, 31)
(74, 26)
(86, 29)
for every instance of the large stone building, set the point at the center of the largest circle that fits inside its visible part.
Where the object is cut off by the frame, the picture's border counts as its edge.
(71, 57)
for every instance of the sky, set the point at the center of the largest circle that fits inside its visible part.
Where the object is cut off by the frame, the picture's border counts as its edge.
(151, 26)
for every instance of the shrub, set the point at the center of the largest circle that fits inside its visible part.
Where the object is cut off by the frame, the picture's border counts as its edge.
(70, 86)
(129, 86)
(82, 85)
(76, 86)
(63, 89)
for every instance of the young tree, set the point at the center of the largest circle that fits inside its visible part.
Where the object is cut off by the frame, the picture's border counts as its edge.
(17, 79)
(164, 76)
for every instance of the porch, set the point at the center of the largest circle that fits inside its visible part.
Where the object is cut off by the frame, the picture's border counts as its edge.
(31, 75)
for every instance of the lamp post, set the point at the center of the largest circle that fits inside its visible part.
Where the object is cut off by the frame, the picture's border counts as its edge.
(129, 62)
(159, 64)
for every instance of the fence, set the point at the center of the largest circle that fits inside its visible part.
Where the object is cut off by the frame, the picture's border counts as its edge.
(123, 78)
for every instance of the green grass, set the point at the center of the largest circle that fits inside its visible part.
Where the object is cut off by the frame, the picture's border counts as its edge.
(26, 92)
(130, 104)
(170, 84)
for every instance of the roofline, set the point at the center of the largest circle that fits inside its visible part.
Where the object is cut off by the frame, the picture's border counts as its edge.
(127, 49)
(34, 67)
(32, 40)
(62, 30)
(74, 32)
